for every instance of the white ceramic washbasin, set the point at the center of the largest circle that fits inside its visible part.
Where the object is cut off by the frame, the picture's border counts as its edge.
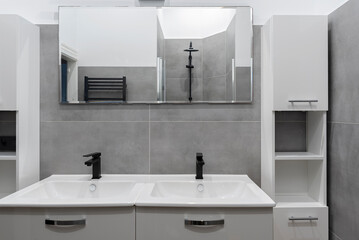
(213, 191)
(193, 189)
(61, 190)
(141, 190)
(77, 190)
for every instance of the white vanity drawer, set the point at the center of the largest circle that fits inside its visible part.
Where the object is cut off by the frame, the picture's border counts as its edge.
(301, 227)
(224, 223)
(93, 223)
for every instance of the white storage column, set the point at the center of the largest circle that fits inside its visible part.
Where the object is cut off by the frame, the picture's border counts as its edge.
(20, 93)
(295, 78)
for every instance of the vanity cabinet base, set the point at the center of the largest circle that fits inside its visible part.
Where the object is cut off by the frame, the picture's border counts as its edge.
(204, 223)
(67, 223)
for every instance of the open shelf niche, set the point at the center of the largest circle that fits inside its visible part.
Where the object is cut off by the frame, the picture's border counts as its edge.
(7, 152)
(300, 154)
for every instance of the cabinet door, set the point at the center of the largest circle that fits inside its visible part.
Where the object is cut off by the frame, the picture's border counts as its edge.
(300, 62)
(301, 229)
(8, 63)
(86, 223)
(170, 224)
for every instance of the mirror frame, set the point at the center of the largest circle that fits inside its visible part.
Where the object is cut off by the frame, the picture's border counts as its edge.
(250, 101)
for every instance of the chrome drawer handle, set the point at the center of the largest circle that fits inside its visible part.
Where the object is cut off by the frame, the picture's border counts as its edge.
(204, 222)
(65, 223)
(304, 218)
(308, 101)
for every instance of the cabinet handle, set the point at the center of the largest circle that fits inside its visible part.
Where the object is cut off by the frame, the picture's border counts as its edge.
(203, 222)
(308, 101)
(65, 223)
(303, 218)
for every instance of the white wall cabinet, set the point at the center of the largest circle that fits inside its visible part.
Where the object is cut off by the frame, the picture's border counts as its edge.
(238, 223)
(89, 223)
(20, 93)
(294, 67)
(298, 62)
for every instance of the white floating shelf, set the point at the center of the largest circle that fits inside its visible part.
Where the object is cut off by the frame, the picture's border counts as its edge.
(7, 156)
(297, 156)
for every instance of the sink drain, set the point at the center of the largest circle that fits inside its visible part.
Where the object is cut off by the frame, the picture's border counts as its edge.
(92, 187)
(200, 187)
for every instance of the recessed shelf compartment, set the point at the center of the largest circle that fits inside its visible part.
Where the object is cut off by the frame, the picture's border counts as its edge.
(299, 182)
(7, 177)
(287, 156)
(296, 201)
(7, 156)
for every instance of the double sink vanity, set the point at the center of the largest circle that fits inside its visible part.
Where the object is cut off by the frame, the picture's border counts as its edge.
(151, 207)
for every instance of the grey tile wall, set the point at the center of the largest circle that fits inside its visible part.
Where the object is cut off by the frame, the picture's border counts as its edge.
(243, 83)
(51, 110)
(143, 138)
(141, 81)
(228, 147)
(343, 127)
(124, 146)
(332, 236)
(177, 80)
(212, 67)
(290, 132)
(215, 67)
(214, 55)
(7, 123)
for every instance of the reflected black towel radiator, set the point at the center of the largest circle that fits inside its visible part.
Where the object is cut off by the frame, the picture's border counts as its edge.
(103, 86)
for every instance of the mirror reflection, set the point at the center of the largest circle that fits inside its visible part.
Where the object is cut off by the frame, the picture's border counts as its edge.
(155, 55)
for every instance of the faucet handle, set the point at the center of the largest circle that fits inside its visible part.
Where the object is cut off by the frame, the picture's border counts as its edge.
(94, 155)
(199, 156)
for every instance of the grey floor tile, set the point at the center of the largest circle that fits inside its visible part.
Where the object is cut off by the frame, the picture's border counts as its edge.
(124, 147)
(228, 148)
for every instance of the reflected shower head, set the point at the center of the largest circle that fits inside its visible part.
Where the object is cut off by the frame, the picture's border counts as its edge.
(191, 49)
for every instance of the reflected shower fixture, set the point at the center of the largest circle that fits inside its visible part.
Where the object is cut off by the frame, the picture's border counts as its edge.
(190, 66)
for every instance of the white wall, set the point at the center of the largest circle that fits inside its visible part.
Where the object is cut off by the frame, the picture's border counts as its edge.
(194, 23)
(105, 36)
(45, 11)
(244, 38)
(68, 28)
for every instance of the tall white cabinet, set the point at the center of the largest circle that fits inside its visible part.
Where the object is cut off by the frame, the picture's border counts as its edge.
(295, 78)
(20, 95)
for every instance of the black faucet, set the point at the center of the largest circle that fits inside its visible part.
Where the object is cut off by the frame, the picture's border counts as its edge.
(199, 165)
(95, 161)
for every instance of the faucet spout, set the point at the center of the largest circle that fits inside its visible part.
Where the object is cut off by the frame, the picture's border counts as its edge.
(199, 166)
(95, 162)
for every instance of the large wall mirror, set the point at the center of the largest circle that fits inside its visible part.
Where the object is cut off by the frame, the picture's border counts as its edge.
(156, 55)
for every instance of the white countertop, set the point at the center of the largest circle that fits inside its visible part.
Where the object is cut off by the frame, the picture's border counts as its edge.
(116, 190)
